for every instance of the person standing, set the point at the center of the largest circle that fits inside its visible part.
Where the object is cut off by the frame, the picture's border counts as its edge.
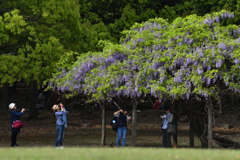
(157, 105)
(167, 118)
(14, 116)
(59, 112)
(123, 118)
(40, 100)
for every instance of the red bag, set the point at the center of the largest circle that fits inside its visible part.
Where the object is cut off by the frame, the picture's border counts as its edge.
(17, 124)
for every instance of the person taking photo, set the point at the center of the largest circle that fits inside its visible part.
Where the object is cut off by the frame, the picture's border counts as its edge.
(14, 117)
(123, 118)
(60, 122)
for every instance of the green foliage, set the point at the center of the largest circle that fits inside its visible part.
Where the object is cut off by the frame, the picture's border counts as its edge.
(41, 33)
(193, 57)
(62, 27)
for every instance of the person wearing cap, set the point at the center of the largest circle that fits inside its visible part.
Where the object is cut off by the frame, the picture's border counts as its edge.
(167, 118)
(15, 116)
(59, 112)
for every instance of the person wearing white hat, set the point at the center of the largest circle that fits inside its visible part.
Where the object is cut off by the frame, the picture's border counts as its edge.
(14, 116)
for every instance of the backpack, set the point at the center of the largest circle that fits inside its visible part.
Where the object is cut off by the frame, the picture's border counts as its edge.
(171, 127)
(114, 123)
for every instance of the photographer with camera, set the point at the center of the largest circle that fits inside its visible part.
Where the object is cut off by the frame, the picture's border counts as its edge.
(60, 114)
(123, 118)
(15, 116)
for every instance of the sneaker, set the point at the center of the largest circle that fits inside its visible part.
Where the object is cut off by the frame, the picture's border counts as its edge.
(61, 147)
(56, 147)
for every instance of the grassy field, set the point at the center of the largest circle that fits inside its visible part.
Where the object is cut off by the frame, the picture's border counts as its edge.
(116, 154)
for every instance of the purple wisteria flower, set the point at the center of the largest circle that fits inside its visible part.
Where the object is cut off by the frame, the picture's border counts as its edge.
(209, 67)
(219, 63)
(208, 82)
(217, 19)
(226, 83)
(199, 70)
(236, 61)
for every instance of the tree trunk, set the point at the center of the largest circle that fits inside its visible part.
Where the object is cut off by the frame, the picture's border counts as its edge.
(103, 124)
(197, 113)
(5, 96)
(32, 100)
(199, 118)
(191, 134)
(200, 128)
(175, 118)
(210, 122)
(134, 121)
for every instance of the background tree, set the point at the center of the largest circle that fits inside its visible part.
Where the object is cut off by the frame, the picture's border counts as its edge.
(36, 34)
(193, 59)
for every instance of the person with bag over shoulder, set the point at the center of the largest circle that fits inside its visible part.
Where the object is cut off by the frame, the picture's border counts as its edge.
(15, 116)
(167, 119)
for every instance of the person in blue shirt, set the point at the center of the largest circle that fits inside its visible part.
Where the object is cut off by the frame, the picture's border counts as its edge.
(123, 118)
(15, 116)
(167, 118)
(59, 112)
(64, 116)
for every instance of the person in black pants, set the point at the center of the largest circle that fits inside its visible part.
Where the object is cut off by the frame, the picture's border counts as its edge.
(167, 118)
(14, 116)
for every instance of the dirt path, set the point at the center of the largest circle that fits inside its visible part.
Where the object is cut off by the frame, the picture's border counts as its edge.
(42, 131)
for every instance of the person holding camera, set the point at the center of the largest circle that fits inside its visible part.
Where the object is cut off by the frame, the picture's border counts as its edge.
(123, 118)
(59, 112)
(14, 117)
(167, 118)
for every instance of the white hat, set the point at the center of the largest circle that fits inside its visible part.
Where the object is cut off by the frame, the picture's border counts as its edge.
(11, 105)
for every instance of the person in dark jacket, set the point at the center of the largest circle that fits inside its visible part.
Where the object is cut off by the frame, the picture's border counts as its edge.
(123, 118)
(167, 118)
(15, 116)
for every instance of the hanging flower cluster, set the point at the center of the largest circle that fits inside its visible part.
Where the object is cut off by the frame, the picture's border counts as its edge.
(190, 57)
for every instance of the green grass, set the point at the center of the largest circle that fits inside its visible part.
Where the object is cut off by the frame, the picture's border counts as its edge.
(127, 153)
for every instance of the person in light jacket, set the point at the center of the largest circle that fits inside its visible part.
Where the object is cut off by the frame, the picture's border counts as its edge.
(59, 112)
(167, 118)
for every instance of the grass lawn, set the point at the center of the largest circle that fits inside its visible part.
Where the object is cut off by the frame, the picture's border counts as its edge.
(127, 153)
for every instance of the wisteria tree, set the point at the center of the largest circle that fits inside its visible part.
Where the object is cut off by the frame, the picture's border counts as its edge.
(193, 59)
